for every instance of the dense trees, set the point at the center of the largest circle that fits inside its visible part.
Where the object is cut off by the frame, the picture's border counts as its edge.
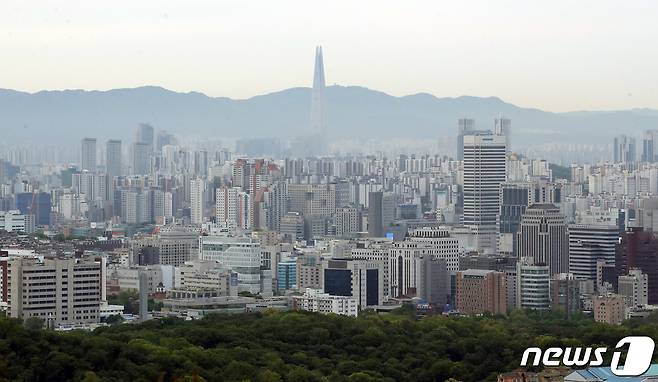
(296, 346)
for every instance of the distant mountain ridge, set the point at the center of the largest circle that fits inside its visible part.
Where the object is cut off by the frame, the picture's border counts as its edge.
(356, 112)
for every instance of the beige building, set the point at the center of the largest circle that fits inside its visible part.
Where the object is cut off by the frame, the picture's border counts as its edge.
(610, 309)
(59, 291)
(480, 291)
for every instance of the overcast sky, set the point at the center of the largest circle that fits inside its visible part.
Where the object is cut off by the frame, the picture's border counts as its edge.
(554, 55)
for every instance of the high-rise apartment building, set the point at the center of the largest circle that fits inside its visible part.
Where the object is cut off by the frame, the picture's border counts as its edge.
(233, 208)
(88, 155)
(141, 156)
(197, 201)
(113, 161)
(624, 149)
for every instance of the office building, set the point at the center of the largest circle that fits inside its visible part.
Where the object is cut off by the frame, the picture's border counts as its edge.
(638, 249)
(145, 134)
(59, 291)
(286, 275)
(610, 309)
(589, 243)
(404, 258)
(532, 285)
(14, 221)
(503, 126)
(543, 236)
(634, 287)
(565, 294)
(484, 170)
(241, 255)
(481, 291)
(314, 300)
(360, 279)
(200, 275)
(465, 126)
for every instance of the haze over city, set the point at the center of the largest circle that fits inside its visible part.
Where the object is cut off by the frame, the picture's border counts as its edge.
(557, 56)
(328, 191)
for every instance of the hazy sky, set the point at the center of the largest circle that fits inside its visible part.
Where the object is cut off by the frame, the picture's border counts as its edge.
(554, 55)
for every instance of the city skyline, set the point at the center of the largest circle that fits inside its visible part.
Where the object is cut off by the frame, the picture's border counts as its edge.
(595, 53)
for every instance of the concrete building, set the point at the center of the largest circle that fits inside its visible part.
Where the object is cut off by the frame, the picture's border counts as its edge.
(239, 254)
(589, 243)
(638, 248)
(363, 280)
(88, 155)
(610, 308)
(204, 275)
(484, 169)
(59, 291)
(308, 269)
(543, 236)
(233, 208)
(314, 300)
(113, 158)
(14, 221)
(197, 200)
(532, 285)
(565, 294)
(292, 227)
(481, 291)
(634, 287)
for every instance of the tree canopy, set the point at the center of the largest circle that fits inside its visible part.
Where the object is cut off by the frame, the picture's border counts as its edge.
(297, 346)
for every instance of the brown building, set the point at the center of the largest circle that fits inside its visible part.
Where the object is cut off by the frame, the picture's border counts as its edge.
(610, 309)
(639, 249)
(480, 291)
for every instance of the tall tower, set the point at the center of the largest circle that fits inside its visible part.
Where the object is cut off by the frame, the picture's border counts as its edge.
(318, 98)
(484, 171)
(114, 160)
(88, 156)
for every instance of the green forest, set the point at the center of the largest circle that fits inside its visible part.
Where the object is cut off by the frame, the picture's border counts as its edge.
(297, 346)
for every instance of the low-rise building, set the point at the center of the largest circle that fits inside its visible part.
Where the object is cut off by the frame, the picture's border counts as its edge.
(314, 300)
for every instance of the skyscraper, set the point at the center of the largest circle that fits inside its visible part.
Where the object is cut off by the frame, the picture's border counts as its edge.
(484, 171)
(649, 145)
(88, 155)
(464, 126)
(145, 134)
(141, 158)
(113, 160)
(197, 190)
(589, 243)
(318, 100)
(503, 126)
(542, 236)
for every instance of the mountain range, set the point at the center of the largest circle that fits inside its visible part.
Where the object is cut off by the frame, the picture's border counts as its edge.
(354, 112)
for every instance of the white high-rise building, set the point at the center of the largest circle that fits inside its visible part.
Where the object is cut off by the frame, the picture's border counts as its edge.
(532, 285)
(233, 208)
(404, 258)
(484, 170)
(197, 190)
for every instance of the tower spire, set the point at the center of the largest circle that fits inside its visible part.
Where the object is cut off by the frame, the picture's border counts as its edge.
(318, 100)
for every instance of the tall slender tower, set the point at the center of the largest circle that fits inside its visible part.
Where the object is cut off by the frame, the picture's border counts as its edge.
(318, 98)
